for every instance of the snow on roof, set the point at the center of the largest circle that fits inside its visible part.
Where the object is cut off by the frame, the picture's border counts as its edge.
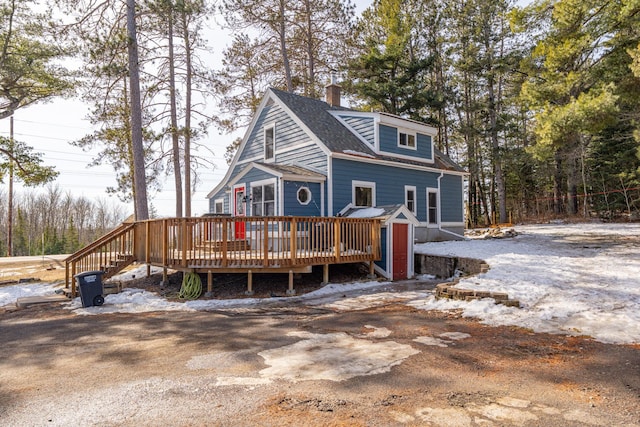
(358, 153)
(366, 213)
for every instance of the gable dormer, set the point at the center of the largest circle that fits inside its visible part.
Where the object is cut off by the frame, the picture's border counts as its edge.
(391, 135)
(405, 138)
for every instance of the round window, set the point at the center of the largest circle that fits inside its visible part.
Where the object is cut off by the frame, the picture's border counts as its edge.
(304, 195)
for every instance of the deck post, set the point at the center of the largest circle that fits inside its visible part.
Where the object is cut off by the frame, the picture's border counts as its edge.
(165, 278)
(325, 274)
(336, 239)
(249, 283)
(165, 244)
(148, 270)
(291, 291)
(225, 236)
(73, 279)
(265, 243)
(372, 274)
(209, 292)
(293, 244)
(184, 262)
(147, 245)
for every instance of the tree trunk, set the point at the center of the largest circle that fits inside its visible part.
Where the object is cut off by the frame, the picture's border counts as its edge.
(282, 25)
(140, 179)
(10, 204)
(177, 170)
(311, 65)
(558, 189)
(187, 117)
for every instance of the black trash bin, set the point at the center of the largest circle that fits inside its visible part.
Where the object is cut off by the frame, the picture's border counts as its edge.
(90, 285)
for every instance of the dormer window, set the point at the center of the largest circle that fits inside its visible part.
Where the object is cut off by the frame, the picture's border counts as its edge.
(407, 139)
(269, 142)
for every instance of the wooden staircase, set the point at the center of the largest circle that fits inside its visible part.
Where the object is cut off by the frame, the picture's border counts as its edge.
(110, 254)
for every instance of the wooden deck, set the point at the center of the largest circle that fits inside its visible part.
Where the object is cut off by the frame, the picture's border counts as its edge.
(231, 245)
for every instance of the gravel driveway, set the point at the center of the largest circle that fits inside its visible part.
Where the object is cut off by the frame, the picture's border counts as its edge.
(305, 365)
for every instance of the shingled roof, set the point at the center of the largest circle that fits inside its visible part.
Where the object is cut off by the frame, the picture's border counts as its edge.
(315, 115)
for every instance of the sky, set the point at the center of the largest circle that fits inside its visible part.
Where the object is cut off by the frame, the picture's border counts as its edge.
(51, 126)
(568, 278)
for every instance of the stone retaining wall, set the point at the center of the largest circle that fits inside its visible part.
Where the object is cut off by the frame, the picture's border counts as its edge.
(444, 267)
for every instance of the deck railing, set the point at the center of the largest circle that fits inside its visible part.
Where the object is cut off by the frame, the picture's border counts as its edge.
(235, 243)
(257, 242)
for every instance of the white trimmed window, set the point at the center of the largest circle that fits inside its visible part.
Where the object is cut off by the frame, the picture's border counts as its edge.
(363, 193)
(269, 142)
(218, 206)
(304, 195)
(263, 199)
(406, 139)
(432, 205)
(410, 198)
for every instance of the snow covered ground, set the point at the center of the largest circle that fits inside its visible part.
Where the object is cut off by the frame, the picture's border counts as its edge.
(569, 279)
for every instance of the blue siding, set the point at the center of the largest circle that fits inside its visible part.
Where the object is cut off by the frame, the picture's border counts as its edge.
(293, 207)
(389, 144)
(424, 146)
(388, 139)
(390, 182)
(364, 126)
(310, 156)
(222, 194)
(383, 245)
(287, 134)
(451, 198)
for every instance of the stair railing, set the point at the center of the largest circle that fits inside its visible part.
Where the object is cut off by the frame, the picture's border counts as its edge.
(106, 253)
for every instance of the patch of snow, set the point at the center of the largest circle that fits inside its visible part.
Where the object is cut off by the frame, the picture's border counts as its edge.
(358, 153)
(444, 340)
(130, 300)
(377, 332)
(366, 213)
(333, 357)
(566, 277)
(10, 294)
(436, 342)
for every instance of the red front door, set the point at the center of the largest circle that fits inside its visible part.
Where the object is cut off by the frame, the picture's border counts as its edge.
(399, 251)
(239, 210)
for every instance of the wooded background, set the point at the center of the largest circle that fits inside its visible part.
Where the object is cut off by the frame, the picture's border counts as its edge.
(539, 102)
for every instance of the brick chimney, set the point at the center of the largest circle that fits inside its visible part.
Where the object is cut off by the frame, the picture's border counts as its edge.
(332, 94)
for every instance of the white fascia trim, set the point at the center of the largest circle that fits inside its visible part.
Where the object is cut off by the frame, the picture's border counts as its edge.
(243, 172)
(406, 157)
(410, 217)
(265, 99)
(396, 164)
(399, 122)
(338, 116)
(287, 176)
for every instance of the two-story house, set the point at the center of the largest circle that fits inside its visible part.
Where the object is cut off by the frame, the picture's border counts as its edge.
(306, 157)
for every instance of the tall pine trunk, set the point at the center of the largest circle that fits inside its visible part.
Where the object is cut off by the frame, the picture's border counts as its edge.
(137, 147)
(187, 116)
(175, 137)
